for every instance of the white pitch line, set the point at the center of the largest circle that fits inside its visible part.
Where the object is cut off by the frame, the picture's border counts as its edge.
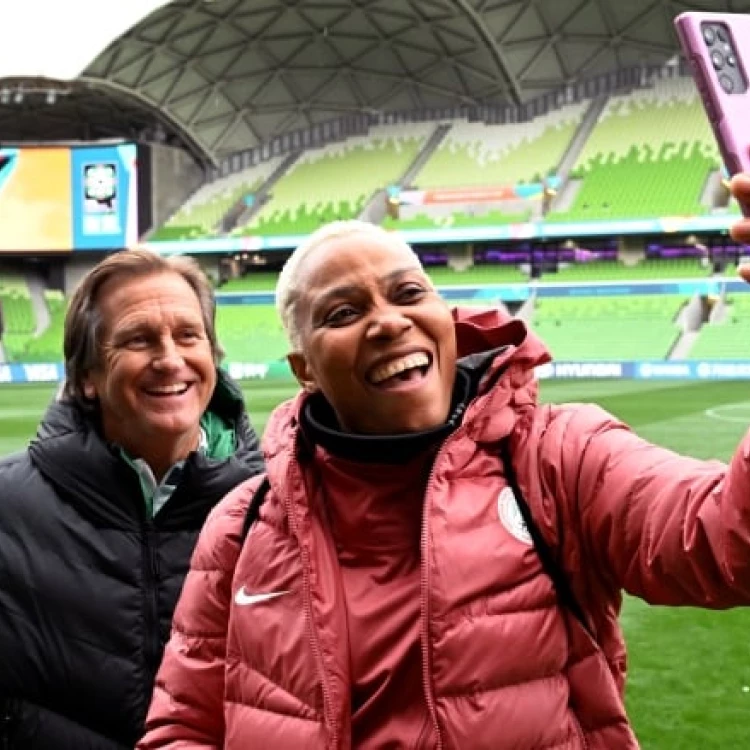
(718, 413)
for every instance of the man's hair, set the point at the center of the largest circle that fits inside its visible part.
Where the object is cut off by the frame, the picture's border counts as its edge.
(83, 320)
(290, 285)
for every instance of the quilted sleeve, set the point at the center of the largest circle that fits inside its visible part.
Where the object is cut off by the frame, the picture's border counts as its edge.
(187, 708)
(667, 528)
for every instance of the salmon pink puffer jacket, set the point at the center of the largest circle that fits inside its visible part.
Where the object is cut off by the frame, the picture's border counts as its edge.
(505, 667)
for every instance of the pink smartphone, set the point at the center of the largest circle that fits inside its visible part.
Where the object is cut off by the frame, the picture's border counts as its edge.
(716, 46)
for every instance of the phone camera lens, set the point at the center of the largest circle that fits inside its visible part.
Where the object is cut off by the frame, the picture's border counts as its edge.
(717, 59)
(731, 60)
(726, 83)
(708, 34)
(721, 34)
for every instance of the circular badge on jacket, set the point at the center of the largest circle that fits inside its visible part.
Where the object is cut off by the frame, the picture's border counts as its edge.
(510, 516)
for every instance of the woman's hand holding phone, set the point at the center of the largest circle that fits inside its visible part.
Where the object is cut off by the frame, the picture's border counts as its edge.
(740, 189)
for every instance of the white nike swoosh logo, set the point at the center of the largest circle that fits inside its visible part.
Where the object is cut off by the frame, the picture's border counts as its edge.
(245, 600)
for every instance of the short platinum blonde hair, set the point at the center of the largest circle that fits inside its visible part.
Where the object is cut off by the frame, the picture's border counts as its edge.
(291, 284)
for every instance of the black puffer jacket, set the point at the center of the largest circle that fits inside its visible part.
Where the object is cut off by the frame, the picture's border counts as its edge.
(88, 583)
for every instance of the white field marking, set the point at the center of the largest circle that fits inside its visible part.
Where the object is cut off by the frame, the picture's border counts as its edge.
(22, 413)
(738, 413)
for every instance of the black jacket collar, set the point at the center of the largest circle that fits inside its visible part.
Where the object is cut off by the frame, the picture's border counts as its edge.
(320, 426)
(90, 473)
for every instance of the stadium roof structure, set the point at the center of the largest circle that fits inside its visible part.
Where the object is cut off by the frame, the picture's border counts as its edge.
(219, 76)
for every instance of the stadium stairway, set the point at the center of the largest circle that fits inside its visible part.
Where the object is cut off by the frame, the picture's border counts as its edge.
(715, 194)
(375, 208)
(567, 190)
(684, 344)
(38, 304)
(263, 195)
(689, 320)
(429, 148)
(588, 123)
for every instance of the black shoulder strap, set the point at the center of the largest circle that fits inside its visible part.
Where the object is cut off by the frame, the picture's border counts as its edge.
(546, 555)
(253, 510)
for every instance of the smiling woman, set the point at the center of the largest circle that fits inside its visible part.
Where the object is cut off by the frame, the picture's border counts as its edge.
(374, 337)
(452, 552)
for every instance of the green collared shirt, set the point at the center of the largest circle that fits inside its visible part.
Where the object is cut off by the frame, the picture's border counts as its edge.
(217, 440)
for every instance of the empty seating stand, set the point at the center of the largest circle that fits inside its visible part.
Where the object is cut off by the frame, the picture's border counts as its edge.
(649, 155)
(335, 182)
(601, 328)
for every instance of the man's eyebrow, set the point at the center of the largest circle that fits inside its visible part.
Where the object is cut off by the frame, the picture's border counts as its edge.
(135, 326)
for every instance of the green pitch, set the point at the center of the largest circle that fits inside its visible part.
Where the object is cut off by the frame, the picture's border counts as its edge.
(689, 682)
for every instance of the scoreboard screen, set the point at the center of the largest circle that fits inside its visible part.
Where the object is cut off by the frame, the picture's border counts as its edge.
(66, 198)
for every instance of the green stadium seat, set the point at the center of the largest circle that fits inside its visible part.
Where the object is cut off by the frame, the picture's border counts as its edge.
(201, 213)
(335, 182)
(649, 156)
(602, 328)
(682, 268)
(477, 275)
(250, 333)
(18, 315)
(476, 154)
(47, 347)
(263, 281)
(479, 155)
(729, 338)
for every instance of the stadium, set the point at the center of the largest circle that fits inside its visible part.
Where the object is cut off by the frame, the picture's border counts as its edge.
(548, 156)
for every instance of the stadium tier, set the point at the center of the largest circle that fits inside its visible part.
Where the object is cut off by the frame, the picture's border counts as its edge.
(252, 282)
(47, 346)
(203, 212)
(644, 270)
(575, 328)
(19, 321)
(335, 182)
(250, 333)
(479, 155)
(477, 275)
(601, 328)
(727, 338)
(440, 275)
(649, 155)
(476, 154)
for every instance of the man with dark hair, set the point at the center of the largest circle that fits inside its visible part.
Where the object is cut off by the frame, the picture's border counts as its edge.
(99, 516)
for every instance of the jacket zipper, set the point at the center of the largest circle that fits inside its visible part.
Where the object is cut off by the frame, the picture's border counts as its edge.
(6, 721)
(152, 645)
(312, 633)
(426, 657)
(425, 585)
(425, 588)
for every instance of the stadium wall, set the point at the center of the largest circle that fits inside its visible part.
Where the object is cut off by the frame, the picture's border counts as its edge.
(174, 177)
(683, 370)
(75, 268)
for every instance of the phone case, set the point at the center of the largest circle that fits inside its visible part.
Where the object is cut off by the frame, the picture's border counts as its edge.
(729, 114)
